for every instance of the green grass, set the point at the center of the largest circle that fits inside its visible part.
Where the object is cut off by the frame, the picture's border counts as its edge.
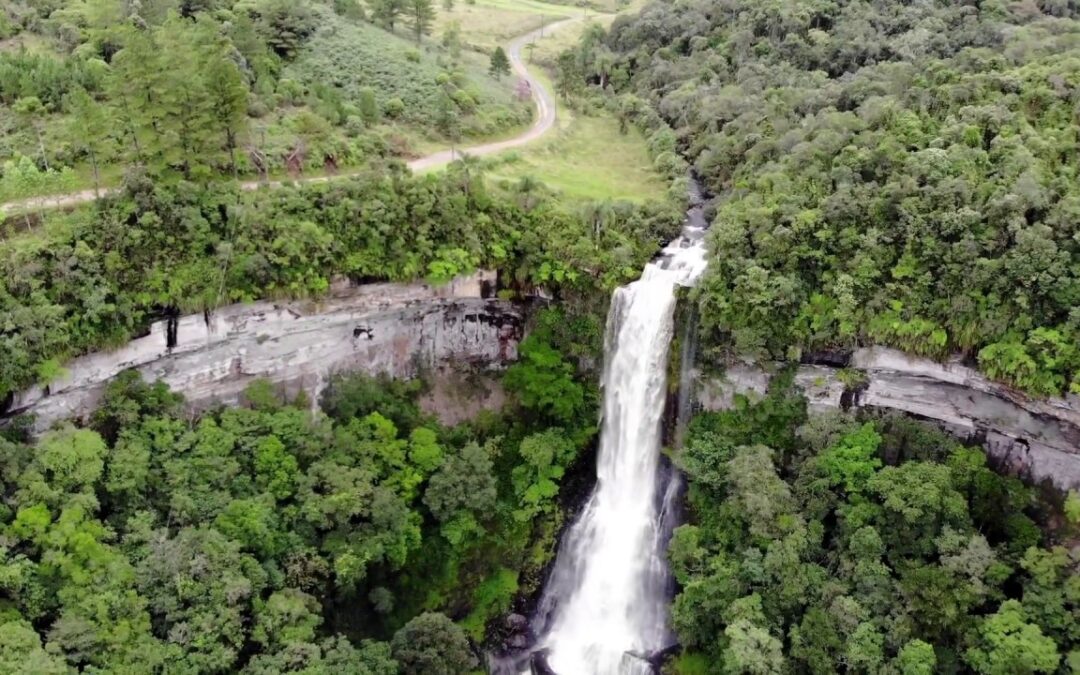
(491, 23)
(349, 57)
(587, 158)
(607, 6)
(545, 52)
(490, 599)
(534, 6)
(688, 664)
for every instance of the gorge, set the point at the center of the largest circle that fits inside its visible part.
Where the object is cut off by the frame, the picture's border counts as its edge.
(596, 614)
(595, 609)
(604, 605)
(539, 337)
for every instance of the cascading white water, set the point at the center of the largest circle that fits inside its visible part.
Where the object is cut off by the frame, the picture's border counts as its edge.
(604, 606)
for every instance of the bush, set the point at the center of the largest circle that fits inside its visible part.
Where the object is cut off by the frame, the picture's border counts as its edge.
(463, 101)
(354, 126)
(394, 108)
(432, 644)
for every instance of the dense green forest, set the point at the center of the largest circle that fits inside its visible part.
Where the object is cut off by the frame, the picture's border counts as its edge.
(265, 539)
(898, 173)
(103, 273)
(886, 172)
(864, 545)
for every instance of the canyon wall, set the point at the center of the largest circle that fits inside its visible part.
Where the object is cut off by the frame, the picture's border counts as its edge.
(397, 329)
(1038, 438)
(403, 329)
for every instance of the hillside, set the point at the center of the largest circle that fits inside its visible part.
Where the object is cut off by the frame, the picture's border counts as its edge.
(897, 174)
(249, 88)
(414, 88)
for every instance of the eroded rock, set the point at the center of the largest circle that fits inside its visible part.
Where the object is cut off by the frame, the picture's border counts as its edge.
(1039, 438)
(397, 329)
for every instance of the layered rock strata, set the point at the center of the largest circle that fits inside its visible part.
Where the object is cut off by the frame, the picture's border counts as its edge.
(396, 329)
(1038, 438)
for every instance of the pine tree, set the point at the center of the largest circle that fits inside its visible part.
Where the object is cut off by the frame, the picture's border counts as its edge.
(451, 39)
(386, 12)
(500, 64)
(187, 128)
(448, 5)
(422, 13)
(89, 129)
(447, 119)
(133, 89)
(228, 99)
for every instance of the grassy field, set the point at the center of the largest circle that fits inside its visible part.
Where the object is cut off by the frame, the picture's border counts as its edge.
(490, 23)
(607, 6)
(587, 158)
(545, 52)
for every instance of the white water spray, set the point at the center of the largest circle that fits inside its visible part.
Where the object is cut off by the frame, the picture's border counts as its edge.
(604, 607)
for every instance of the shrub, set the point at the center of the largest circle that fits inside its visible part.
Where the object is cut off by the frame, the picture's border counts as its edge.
(394, 108)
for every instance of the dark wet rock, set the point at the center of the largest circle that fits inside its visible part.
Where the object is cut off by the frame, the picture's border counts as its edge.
(538, 664)
(518, 641)
(517, 623)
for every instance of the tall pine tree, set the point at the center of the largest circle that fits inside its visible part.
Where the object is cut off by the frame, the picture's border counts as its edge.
(89, 129)
(422, 15)
(228, 99)
(386, 12)
(500, 64)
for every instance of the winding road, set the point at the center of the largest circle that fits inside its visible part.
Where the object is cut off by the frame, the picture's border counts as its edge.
(545, 120)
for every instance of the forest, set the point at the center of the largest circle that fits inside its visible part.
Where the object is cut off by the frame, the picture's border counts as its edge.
(865, 544)
(878, 173)
(886, 172)
(265, 539)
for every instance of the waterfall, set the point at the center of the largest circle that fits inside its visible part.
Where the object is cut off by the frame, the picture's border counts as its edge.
(603, 611)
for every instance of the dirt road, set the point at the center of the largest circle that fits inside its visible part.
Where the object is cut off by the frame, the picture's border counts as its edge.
(545, 120)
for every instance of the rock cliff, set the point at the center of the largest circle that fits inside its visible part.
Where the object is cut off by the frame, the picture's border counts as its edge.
(397, 329)
(402, 329)
(1032, 437)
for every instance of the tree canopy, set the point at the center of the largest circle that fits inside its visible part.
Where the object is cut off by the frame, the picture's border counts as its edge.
(268, 538)
(868, 544)
(892, 173)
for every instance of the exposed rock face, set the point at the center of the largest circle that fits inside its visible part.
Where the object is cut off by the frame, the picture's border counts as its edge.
(397, 329)
(455, 396)
(1038, 438)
